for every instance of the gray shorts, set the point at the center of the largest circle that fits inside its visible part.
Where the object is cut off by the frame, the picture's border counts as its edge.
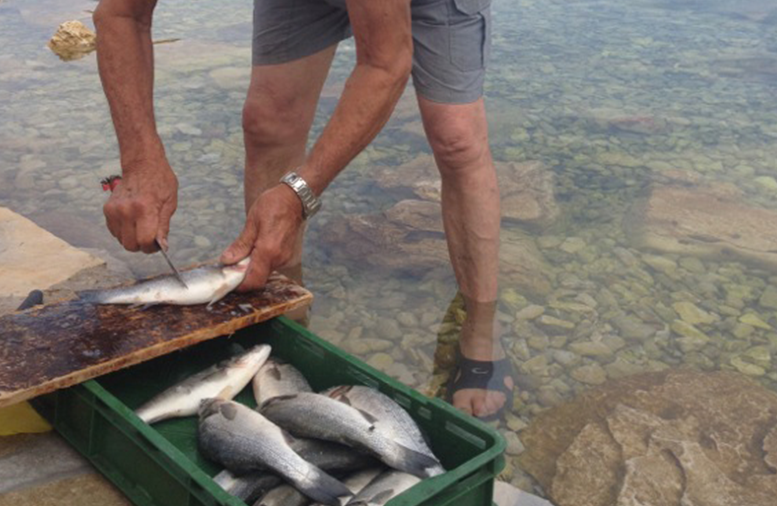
(451, 40)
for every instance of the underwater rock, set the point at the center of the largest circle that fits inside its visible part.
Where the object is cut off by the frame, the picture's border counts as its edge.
(670, 438)
(409, 237)
(699, 221)
(526, 189)
(72, 41)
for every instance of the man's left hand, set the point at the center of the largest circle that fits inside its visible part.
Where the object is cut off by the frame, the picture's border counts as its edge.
(272, 227)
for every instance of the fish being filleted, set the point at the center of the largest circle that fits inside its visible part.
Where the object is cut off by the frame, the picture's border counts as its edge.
(313, 415)
(225, 380)
(242, 440)
(206, 284)
(276, 379)
(383, 488)
(389, 416)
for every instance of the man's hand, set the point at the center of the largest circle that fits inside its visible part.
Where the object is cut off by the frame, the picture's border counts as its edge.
(272, 226)
(140, 208)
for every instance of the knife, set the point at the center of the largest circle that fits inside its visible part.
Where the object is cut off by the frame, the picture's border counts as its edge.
(110, 184)
(172, 267)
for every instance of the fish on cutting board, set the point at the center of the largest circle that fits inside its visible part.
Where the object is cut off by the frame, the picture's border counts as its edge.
(203, 285)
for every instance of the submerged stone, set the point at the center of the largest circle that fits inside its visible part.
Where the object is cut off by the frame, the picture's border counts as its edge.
(705, 222)
(668, 438)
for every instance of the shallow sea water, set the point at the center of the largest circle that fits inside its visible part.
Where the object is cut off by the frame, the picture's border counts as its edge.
(611, 99)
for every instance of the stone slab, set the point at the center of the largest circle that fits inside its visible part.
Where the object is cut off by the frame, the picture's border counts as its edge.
(32, 258)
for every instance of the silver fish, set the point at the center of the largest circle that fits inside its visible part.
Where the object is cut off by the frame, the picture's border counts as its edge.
(325, 455)
(242, 440)
(357, 481)
(383, 488)
(390, 417)
(283, 495)
(207, 284)
(225, 380)
(275, 379)
(249, 486)
(313, 415)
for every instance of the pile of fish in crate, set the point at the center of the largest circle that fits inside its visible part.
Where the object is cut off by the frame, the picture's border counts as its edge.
(347, 445)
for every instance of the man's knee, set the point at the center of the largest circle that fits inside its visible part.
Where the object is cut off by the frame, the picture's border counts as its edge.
(273, 122)
(458, 146)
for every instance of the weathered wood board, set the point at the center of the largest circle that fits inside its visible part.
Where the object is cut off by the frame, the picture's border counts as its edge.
(59, 345)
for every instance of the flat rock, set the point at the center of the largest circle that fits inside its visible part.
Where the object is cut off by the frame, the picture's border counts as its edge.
(705, 222)
(409, 237)
(677, 437)
(526, 189)
(32, 258)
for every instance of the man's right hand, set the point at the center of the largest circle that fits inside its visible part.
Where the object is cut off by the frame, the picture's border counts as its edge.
(139, 209)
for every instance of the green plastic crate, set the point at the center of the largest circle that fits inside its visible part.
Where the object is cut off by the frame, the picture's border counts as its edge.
(160, 465)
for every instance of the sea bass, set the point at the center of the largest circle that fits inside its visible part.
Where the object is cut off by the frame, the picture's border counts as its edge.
(389, 416)
(383, 488)
(313, 415)
(327, 456)
(276, 379)
(242, 440)
(207, 284)
(225, 380)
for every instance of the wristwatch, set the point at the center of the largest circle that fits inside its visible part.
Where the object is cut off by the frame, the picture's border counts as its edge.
(310, 203)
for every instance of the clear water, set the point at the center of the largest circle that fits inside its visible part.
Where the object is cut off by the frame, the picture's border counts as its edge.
(613, 98)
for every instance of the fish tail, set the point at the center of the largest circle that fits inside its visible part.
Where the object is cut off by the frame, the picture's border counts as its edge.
(323, 488)
(415, 463)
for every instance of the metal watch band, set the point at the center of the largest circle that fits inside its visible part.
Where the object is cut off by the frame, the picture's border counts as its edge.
(310, 203)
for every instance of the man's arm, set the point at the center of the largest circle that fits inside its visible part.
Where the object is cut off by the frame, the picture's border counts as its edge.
(384, 55)
(139, 211)
(384, 58)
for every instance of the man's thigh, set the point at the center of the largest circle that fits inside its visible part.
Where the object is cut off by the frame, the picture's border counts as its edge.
(452, 41)
(287, 30)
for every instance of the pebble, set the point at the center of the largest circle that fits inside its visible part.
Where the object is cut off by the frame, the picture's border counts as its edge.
(692, 314)
(407, 319)
(572, 245)
(589, 374)
(590, 349)
(769, 297)
(388, 329)
(381, 361)
(514, 443)
(202, 242)
(553, 324)
(747, 368)
(530, 312)
(632, 328)
(755, 321)
(538, 342)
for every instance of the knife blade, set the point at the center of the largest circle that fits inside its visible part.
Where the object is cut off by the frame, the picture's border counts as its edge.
(172, 267)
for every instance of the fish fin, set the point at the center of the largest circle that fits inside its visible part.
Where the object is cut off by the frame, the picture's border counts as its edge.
(217, 296)
(342, 398)
(275, 372)
(323, 488)
(290, 440)
(382, 497)
(367, 416)
(416, 463)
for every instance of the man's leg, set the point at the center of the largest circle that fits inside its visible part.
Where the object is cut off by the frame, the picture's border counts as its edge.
(277, 116)
(458, 135)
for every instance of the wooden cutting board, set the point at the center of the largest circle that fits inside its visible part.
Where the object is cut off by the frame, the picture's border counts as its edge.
(59, 345)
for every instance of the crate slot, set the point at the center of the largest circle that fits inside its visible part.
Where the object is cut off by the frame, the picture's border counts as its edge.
(463, 433)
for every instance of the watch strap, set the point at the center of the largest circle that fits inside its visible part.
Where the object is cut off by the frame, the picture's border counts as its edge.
(310, 203)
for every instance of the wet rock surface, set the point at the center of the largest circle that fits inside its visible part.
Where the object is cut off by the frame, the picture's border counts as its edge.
(700, 221)
(672, 438)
